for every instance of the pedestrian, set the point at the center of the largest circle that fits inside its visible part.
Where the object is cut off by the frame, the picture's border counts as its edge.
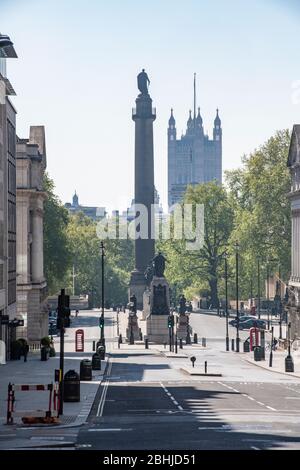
(76, 313)
(25, 351)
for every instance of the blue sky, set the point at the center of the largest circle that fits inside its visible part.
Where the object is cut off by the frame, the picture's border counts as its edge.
(77, 68)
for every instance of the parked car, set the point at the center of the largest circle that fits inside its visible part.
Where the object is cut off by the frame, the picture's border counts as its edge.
(52, 328)
(250, 323)
(242, 319)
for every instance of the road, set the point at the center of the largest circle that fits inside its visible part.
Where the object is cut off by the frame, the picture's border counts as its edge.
(147, 402)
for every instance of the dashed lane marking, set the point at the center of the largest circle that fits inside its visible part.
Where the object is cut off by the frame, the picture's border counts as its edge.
(171, 397)
(247, 396)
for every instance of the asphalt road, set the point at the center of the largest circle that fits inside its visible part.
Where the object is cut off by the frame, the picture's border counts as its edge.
(147, 402)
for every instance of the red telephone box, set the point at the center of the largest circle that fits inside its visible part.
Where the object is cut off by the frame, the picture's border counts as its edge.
(254, 338)
(79, 341)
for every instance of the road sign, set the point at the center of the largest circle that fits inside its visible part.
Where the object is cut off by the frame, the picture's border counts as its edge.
(193, 359)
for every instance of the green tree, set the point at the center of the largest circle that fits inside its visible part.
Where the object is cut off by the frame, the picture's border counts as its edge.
(262, 211)
(56, 248)
(86, 255)
(199, 269)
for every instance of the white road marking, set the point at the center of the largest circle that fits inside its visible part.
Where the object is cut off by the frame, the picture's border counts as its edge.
(171, 397)
(270, 408)
(254, 448)
(104, 392)
(248, 396)
(110, 430)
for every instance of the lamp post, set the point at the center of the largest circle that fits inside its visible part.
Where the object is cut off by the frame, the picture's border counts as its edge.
(236, 246)
(271, 352)
(226, 299)
(258, 287)
(268, 294)
(102, 293)
(289, 363)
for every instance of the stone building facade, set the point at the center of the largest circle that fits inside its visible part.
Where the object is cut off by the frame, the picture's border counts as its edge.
(31, 285)
(7, 203)
(194, 158)
(294, 196)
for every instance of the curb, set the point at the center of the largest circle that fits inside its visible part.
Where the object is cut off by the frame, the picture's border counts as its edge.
(202, 374)
(270, 369)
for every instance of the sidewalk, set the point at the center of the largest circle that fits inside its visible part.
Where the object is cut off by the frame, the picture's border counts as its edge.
(35, 371)
(278, 362)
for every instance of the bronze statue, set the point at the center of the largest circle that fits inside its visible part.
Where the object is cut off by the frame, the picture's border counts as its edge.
(182, 305)
(159, 264)
(132, 304)
(143, 82)
(149, 273)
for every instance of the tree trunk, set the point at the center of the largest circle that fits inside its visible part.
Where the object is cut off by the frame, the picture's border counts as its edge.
(213, 284)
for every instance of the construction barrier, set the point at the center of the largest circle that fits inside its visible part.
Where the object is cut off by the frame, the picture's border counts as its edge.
(45, 416)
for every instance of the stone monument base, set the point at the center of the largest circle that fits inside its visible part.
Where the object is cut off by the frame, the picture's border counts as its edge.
(182, 326)
(134, 327)
(137, 287)
(157, 329)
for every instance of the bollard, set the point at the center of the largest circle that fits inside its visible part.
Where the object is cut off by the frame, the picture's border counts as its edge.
(204, 342)
(146, 343)
(232, 344)
(176, 346)
(96, 362)
(205, 367)
(94, 345)
(195, 338)
(180, 343)
(289, 363)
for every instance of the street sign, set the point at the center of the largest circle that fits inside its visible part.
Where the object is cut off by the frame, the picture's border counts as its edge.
(4, 319)
(193, 359)
(15, 323)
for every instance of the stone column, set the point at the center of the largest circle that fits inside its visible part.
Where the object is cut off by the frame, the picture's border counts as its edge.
(22, 239)
(37, 246)
(143, 116)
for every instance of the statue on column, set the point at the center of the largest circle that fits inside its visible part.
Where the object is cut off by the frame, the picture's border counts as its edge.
(143, 82)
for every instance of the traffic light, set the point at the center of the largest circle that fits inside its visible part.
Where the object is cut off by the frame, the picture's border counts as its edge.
(101, 322)
(64, 312)
(170, 321)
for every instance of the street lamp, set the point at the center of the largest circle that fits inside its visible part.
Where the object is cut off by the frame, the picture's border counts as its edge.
(237, 246)
(269, 260)
(289, 363)
(258, 288)
(102, 294)
(268, 294)
(226, 299)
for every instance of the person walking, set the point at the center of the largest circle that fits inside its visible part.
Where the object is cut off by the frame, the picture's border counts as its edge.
(25, 351)
(76, 313)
